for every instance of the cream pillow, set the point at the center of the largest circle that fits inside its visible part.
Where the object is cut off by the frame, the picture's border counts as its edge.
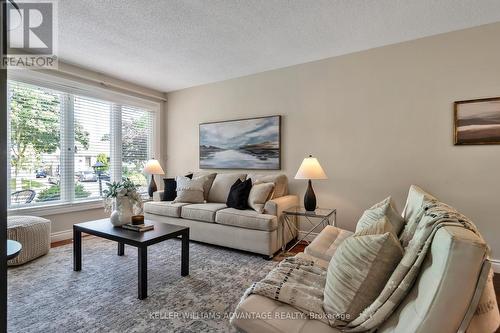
(357, 273)
(380, 226)
(377, 211)
(190, 190)
(259, 194)
(209, 179)
(280, 182)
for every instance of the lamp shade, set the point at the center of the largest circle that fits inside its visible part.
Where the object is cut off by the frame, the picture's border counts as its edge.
(310, 169)
(153, 167)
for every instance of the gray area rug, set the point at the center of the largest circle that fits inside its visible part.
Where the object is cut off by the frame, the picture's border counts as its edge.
(46, 295)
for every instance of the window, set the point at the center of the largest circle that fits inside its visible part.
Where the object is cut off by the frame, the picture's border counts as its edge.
(64, 147)
(136, 147)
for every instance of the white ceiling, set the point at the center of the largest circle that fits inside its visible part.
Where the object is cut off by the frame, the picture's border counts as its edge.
(173, 44)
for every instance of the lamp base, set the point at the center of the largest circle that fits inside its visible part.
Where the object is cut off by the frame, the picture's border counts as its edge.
(310, 198)
(152, 186)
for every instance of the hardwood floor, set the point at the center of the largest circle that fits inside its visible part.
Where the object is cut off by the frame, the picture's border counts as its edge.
(65, 242)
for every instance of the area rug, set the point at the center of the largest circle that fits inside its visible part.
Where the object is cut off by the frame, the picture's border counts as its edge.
(46, 295)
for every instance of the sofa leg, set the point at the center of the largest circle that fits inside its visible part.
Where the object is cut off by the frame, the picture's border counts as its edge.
(266, 257)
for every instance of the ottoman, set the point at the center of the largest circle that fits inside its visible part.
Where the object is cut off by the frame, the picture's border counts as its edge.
(34, 235)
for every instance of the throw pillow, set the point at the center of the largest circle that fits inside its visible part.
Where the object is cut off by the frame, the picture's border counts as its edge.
(170, 188)
(357, 273)
(377, 211)
(380, 226)
(221, 186)
(190, 190)
(259, 194)
(169, 191)
(238, 195)
(280, 182)
(210, 176)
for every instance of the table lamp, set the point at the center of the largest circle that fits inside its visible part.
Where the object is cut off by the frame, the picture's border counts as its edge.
(310, 169)
(153, 167)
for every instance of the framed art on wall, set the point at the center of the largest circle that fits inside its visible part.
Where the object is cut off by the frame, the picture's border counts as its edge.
(253, 143)
(477, 121)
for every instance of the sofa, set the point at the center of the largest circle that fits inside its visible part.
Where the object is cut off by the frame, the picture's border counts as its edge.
(214, 223)
(443, 298)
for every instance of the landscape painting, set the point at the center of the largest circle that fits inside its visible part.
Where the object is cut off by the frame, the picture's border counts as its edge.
(477, 122)
(241, 144)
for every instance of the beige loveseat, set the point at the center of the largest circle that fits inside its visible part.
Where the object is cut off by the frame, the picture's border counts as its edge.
(442, 300)
(212, 222)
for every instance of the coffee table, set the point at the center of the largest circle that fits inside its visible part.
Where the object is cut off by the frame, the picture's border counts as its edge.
(141, 240)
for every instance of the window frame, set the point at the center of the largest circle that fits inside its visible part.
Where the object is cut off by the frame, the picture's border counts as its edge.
(71, 87)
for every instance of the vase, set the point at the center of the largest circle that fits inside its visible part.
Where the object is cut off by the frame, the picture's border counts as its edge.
(123, 210)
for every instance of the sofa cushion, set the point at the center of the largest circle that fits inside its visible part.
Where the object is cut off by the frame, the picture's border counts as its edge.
(248, 219)
(358, 272)
(326, 243)
(222, 185)
(379, 210)
(189, 190)
(259, 194)
(280, 182)
(164, 208)
(209, 179)
(201, 212)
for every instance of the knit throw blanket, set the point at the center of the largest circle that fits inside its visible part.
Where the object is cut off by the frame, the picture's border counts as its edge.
(300, 283)
(297, 282)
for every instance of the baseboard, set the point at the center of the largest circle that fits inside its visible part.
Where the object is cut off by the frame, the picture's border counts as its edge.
(61, 235)
(309, 238)
(495, 264)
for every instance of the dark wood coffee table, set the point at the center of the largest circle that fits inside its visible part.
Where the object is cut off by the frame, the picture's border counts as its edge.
(140, 240)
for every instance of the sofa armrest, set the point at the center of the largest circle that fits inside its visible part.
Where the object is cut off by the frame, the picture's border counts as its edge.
(278, 205)
(158, 196)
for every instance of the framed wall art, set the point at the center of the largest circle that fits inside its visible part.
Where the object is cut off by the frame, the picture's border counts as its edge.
(253, 143)
(477, 122)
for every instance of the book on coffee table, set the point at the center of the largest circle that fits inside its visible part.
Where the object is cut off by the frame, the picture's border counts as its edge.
(138, 227)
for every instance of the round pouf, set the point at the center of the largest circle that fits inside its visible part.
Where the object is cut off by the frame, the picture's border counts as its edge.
(34, 235)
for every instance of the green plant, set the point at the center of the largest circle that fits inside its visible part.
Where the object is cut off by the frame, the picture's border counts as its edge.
(54, 193)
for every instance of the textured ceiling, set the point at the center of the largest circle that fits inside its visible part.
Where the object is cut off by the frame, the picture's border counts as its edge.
(173, 44)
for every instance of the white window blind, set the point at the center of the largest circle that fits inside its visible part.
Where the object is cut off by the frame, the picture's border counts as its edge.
(66, 147)
(136, 147)
(34, 134)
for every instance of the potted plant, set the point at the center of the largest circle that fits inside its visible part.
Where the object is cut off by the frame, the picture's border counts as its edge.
(123, 200)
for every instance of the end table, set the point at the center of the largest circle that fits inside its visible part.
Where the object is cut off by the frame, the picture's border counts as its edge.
(322, 215)
(13, 249)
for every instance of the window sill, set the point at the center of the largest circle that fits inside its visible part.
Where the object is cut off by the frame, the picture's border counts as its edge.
(55, 209)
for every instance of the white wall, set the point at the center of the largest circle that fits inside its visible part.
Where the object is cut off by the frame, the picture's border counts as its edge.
(378, 120)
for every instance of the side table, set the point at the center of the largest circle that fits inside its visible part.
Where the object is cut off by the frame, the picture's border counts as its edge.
(13, 249)
(322, 215)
